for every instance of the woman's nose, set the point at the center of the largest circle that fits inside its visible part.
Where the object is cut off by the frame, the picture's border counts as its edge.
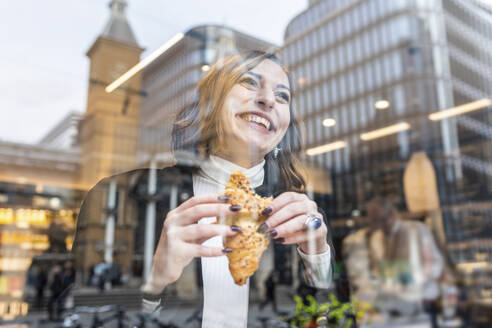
(265, 99)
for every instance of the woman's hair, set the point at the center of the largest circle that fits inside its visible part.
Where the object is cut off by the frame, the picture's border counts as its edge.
(198, 128)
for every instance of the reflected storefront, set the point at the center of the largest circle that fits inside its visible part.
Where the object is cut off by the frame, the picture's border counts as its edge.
(394, 104)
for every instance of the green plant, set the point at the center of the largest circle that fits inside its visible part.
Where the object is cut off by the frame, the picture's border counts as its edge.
(337, 314)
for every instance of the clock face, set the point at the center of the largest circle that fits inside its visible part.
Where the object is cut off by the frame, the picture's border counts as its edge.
(117, 70)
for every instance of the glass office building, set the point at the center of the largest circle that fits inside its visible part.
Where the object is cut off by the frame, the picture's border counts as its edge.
(369, 74)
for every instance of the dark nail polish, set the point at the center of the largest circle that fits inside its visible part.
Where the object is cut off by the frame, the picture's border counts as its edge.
(279, 240)
(235, 208)
(227, 250)
(236, 228)
(272, 233)
(223, 198)
(262, 228)
(267, 211)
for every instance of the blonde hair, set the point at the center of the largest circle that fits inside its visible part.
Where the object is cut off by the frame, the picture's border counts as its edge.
(199, 127)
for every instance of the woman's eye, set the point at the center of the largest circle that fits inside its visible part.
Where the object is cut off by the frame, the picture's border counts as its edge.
(250, 81)
(284, 96)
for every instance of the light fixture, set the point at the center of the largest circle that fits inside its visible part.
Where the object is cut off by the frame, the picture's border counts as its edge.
(301, 80)
(329, 122)
(326, 148)
(382, 104)
(392, 129)
(138, 67)
(205, 68)
(462, 109)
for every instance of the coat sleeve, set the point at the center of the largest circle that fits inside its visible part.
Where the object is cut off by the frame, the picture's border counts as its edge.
(318, 268)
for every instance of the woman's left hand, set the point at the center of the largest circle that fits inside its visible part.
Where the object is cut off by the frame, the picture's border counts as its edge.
(287, 222)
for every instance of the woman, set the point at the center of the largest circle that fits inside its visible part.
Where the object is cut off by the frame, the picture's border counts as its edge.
(243, 120)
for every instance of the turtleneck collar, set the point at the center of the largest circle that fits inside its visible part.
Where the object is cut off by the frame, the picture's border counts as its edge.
(219, 170)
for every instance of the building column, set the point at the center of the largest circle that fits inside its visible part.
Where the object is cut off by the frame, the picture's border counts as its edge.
(150, 221)
(110, 223)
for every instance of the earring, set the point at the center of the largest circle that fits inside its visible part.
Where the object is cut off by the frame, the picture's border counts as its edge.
(276, 150)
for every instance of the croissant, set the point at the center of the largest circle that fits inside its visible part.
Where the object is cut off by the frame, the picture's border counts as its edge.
(247, 245)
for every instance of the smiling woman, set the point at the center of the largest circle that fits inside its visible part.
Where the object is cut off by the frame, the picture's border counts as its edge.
(245, 114)
(243, 117)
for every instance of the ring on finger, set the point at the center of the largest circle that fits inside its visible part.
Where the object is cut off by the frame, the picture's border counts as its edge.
(312, 222)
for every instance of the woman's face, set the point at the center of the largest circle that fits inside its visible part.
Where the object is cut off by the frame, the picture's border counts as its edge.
(256, 113)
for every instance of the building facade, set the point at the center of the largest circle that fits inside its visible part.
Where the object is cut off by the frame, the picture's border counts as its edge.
(365, 65)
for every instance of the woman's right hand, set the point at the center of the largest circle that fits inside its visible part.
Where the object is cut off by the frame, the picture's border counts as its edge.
(181, 239)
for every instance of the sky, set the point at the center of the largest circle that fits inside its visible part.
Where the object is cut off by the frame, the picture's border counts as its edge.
(44, 70)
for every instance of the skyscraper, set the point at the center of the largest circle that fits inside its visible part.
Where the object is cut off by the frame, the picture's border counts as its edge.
(369, 74)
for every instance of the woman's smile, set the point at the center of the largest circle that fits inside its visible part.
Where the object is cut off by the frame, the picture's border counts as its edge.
(258, 121)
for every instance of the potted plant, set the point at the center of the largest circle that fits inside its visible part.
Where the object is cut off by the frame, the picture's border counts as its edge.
(333, 314)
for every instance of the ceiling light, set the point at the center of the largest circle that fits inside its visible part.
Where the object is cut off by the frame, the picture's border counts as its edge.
(205, 68)
(392, 129)
(462, 109)
(329, 122)
(326, 148)
(301, 80)
(382, 104)
(137, 68)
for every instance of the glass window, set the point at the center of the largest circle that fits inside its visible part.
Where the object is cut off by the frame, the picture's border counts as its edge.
(316, 68)
(334, 91)
(343, 119)
(323, 61)
(360, 79)
(368, 78)
(349, 51)
(317, 99)
(383, 37)
(293, 53)
(339, 27)
(319, 128)
(330, 29)
(309, 101)
(397, 65)
(378, 72)
(340, 57)
(352, 86)
(325, 95)
(347, 23)
(357, 49)
(342, 86)
(322, 36)
(367, 44)
(363, 13)
(333, 62)
(355, 115)
(354, 19)
(399, 98)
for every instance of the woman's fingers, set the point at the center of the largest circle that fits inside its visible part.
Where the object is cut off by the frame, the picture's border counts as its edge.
(199, 232)
(289, 211)
(204, 199)
(300, 237)
(289, 227)
(283, 200)
(195, 250)
(195, 213)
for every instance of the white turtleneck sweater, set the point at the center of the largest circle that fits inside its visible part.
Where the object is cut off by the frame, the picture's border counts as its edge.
(225, 303)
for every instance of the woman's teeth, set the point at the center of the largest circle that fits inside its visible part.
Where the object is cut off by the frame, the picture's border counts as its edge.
(257, 119)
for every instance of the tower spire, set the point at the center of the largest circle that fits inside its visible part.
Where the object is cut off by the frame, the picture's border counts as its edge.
(118, 7)
(118, 27)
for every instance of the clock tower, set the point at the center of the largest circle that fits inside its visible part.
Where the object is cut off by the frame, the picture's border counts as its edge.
(109, 130)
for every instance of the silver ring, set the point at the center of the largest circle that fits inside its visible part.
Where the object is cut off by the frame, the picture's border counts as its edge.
(312, 222)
